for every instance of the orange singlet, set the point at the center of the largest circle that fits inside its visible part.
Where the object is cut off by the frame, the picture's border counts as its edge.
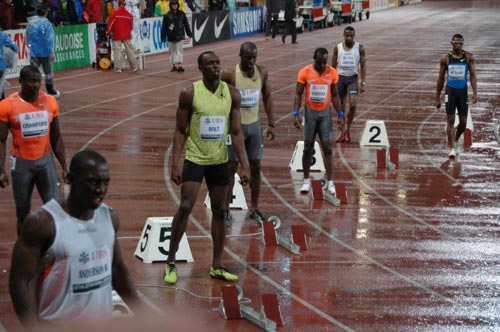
(318, 93)
(29, 124)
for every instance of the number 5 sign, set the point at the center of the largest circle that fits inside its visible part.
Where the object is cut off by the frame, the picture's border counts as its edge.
(374, 134)
(155, 240)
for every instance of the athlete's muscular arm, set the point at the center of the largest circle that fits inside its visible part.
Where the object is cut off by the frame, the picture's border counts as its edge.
(229, 76)
(297, 103)
(237, 135)
(362, 63)
(184, 112)
(472, 74)
(56, 142)
(335, 56)
(268, 101)
(121, 280)
(36, 237)
(4, 132)
(443, 64)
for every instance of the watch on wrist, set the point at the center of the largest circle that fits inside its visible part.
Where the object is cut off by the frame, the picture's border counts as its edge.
(363, 83)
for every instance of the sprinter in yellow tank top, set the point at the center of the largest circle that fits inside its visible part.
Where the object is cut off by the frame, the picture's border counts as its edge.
(251, 80)
(208, 111)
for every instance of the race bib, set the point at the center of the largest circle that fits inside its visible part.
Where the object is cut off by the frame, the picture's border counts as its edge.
(249, 98)
(212, 128)
(318, 92)
(34, 124)
(456, 72)
(348, 62)
(92, 270)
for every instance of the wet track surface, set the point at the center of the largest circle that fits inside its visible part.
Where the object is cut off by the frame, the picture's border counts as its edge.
(415, 249)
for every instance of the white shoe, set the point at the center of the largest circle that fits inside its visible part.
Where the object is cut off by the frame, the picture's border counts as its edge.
(306, 186)
(56, 95)
(452, 153)
(331, 189)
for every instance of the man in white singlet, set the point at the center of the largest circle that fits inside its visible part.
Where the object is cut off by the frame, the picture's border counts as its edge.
(67, 261)
(349, 60)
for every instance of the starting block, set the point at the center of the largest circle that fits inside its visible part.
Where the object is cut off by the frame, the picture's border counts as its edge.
(230, 308)
(392, 153)
(238, 200)
(273, 239)
(155, 240)
(319, 193)
(317, 164)
(374, 134)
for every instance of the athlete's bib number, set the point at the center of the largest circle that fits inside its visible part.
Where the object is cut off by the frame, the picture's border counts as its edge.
(249, 98)
(34, 124)
(318, 93)
(92, 270)
(456, 72)
(212, 128)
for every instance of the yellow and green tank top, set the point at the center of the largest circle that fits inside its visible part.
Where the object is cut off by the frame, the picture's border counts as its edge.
(249, 88)
(209, 125)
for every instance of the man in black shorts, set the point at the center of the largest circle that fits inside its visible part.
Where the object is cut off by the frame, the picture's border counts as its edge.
(456, 64)
(208, 111)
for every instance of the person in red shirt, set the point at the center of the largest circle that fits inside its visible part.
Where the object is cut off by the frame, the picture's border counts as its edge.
(32, 116)
(7, 17)
(319, 81)
(120, 26)
(94, 10)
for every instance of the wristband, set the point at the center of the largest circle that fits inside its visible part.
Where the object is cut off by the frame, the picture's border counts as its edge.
(296, 113)
(340, 113)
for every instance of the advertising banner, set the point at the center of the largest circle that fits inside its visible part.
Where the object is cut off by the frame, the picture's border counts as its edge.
(23, 57)
(247, 21)
(210, 27)
(71, 47)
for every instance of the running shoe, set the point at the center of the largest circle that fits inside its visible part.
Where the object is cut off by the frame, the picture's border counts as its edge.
(452, 153)
(180, 69)
(170, 275)
(341, 139)
(306, 186)
(173, 69)
(347, 136)
(56, 94)
(223, 274)
(228, 219)
(257, 216)
(331, 189)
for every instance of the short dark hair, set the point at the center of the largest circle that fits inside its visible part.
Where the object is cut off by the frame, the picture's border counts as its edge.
(320, 51)
(27, 71)
(42, 9)
(200, 57)
(349, 28)
(81, 158)
(457, 36)
(248, 46)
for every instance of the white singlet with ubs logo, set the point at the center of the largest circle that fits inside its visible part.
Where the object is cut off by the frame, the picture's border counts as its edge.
(34, 124)
(348, 60)
(75, 281)
(212, 128)
(318, 93)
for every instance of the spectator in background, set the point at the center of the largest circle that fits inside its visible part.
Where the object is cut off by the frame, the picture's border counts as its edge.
(216, 5)
(94, 10)
(109, 9)
(119, 26)
(40, 40)
(290, 18)
(19, 11)
(161, 8)
(175, 26)
(136, 8)
(150, 8)
(273, 10)
(7, 16)
(4, 42)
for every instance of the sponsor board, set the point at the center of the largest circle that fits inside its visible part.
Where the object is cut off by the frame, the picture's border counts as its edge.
(210, 27)
(247, 21)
